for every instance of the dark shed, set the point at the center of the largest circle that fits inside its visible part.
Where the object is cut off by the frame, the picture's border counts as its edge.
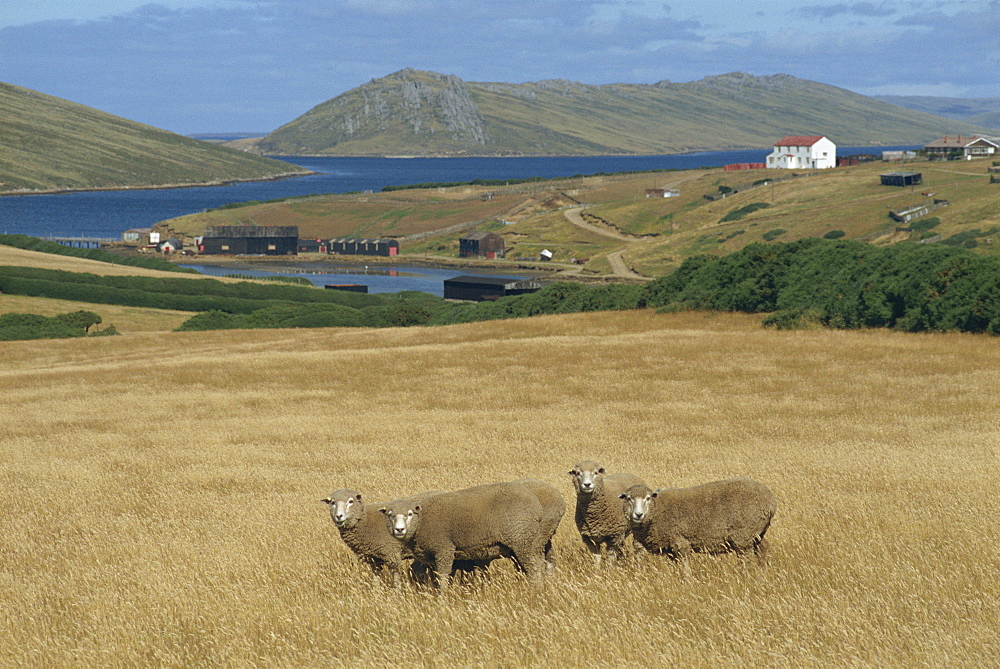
(488, 244)
(269, 240)
(364, 247)
(479, 288)
(902, 179)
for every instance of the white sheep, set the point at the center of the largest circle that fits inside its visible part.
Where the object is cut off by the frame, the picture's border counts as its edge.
(364, 531)
(481, 523)
(600, 517)
(553, 509)
(718, 517)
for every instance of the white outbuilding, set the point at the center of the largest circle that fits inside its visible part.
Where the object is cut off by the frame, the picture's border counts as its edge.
(803, 152)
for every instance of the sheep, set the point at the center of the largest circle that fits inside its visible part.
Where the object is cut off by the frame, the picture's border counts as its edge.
(600, 517)
(481, 523)
(718, 517)
(366, 534)
(553, 509)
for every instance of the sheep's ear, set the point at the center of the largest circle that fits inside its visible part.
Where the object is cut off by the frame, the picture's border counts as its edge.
(327, 500)
(572, 472)
(384, 511)
(623, 496)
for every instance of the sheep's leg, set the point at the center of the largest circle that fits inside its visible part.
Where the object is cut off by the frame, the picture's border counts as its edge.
(760, 549)
(443, 563)
(680, 549)
(593, 546)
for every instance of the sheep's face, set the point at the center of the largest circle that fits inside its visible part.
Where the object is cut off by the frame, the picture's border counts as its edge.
(586, 476)
(345, 507)
(638, 502)
(402, 520)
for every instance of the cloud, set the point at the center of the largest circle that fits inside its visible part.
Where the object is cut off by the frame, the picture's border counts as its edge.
(865, 9)
(256, 64)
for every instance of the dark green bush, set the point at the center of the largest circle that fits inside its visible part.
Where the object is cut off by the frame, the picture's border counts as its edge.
(33, 326)
(834, 234)
(843, 284)
(771, 235)
(737, 214)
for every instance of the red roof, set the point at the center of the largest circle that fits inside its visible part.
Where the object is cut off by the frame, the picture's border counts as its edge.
(799, 140)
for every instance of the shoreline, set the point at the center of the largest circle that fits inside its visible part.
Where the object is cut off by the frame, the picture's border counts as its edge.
(552, 271)
(206, 184)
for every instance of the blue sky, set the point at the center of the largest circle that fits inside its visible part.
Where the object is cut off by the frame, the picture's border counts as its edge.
(252, 65)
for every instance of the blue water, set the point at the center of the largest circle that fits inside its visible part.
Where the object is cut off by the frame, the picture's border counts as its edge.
(108, 213)
(378, 279)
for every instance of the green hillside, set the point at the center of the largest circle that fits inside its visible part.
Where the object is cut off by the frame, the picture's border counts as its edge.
(984, 112)
(47, 143)
(425, 113)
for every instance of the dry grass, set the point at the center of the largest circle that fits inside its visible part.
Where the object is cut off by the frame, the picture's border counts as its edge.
(160, 493)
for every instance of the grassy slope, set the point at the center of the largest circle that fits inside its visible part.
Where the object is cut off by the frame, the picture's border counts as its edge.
(406, 113)
(48, 143)
(848, 199)
(193, 534)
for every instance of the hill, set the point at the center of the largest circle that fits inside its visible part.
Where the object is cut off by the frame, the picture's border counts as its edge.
(414, 112)
(980, 111)
(47, 143)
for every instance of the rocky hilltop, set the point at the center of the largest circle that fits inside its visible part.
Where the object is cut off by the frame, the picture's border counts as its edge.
(414, 112)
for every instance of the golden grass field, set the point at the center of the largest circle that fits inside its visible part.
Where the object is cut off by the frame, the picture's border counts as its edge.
(160, 493)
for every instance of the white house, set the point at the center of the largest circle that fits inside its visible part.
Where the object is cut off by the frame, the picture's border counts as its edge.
(803, 152)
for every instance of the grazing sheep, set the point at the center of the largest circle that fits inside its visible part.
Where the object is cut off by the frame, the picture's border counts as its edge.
(481, 523)
(365, 533)
(717, 517)
(553, 509)
(599, 513)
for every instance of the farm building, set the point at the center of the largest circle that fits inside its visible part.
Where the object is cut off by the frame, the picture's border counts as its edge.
(270, 240)
(170, 246)
(662, 192)
(481, 244)
(349, 287)
(902, 179)
(137, 235)
(803, 152)
(364, 247)
(479, 288)
(312, 246)
(965, 147)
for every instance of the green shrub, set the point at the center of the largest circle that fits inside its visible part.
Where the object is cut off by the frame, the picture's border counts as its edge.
(737, 214)
(834, 234)
(15, 326)
(925, 224)
(770, 235)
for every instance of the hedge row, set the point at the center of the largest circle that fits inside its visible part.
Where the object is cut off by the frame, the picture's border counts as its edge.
(32, 326)
(843, 284)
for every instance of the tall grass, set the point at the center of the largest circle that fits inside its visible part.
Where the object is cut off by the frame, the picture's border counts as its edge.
(160, 493)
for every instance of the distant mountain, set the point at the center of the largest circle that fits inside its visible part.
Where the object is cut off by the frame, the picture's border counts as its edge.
(980, 111)
(425, 113)
(47, 143)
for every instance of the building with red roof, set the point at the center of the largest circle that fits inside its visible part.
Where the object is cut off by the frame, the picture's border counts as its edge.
(803, 152)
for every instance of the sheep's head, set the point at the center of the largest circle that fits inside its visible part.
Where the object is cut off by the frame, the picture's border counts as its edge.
(638, 502)
(345, 507)
(586, 476)
(401, 518)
